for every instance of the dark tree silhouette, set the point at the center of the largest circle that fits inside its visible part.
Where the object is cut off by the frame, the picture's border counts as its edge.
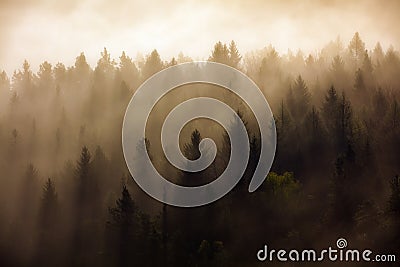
(338, 125)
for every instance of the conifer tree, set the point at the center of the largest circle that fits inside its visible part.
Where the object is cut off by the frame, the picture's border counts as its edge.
(49, 205)
(234, 56)
(357, 48)
(220, 54)
(152, 65)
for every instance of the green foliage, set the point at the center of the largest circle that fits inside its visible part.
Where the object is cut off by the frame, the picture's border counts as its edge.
(282, 187)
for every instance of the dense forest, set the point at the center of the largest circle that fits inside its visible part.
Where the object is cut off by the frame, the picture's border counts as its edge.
(66, 197)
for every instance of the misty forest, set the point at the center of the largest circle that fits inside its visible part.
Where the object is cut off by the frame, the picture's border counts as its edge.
(67, 198)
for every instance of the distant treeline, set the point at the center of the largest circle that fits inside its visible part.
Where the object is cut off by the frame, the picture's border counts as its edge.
(66, 197)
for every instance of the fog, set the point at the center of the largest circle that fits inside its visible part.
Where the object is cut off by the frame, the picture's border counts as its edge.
(66, 196)
(58, 31)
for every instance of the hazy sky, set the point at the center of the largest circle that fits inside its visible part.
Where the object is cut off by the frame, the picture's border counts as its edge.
(58, 30)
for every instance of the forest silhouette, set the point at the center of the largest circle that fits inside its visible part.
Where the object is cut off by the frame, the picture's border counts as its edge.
(66, 197)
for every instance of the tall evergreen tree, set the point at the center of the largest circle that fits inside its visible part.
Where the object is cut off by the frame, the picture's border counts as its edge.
(357, 48)
(49, 205)
(152, 65)
(330, 109)
(23, 81)
(4, 82)
(338, 65)
(48, 251)
(124, 224)
(191, 149)
(220, 54)
(192, 152)
(359, 84)
(81, 72)
(299, 100)
(345, 122)
(129, 72)
(83, 169)
(234, 56)
(378, 54)
(367, 66)
(45, 76)
(123, 214)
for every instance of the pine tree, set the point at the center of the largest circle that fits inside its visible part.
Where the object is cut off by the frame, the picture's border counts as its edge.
(4, 82)
(220, 54)
(45, 76)
(81, 72)
(367, 66)
(60, 74)
(47, 250)
(298, 100)
(283, 121)
(27, 209)
(234, 56)
(329, 110)
(345, 122)
(81, 65)
(105, 66)
(360, 87)
(49, 205)
(101, 89)
(125, 212)
(357, 48)
(23, 81)
(173, 62)
(337, 67)
(378, 54)
(182, 58)
(191, 149)
(124, 92)
(152, 65)
(30, 191)
(83, 166)
(269, 73)
(124, 224)
(85, 187)
(314, 124)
